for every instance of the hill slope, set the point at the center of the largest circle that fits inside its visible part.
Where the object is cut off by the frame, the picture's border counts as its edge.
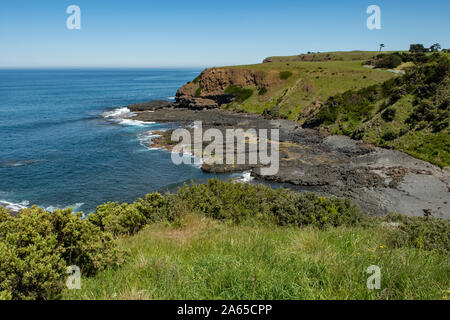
(408, 113)
(283, 87)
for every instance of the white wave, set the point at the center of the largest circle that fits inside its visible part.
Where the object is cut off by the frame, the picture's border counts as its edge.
(171, 98)
(116, 112)
(246, 177)
(131, 122)
(14, 207)
(145, 139)
(75, 207)
(191, 159)
(122, 116)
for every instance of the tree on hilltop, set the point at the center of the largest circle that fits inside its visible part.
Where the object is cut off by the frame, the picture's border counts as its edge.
(435, 47)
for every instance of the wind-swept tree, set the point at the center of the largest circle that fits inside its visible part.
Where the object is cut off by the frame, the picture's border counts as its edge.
(435, 47)
(381, 46)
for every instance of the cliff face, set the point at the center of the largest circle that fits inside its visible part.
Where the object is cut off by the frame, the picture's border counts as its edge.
(208, 89)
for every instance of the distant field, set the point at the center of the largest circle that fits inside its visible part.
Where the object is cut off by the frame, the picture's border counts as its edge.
(322, 56)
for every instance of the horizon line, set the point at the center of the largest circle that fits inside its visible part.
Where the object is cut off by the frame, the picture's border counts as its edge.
(100, 67)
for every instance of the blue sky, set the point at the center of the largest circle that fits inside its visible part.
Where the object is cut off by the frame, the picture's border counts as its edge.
(191, 33)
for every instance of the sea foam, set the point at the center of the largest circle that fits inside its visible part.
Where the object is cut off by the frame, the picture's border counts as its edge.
(122, 116)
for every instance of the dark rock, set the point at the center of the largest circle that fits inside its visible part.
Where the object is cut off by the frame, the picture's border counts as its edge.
(376, 179)
(150, 106)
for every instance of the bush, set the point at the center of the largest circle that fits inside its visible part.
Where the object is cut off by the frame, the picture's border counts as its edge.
(221, 200)
(389, 61)
(5, 295)
(309, 209)
(197, 79)
(83, 243)
(417, 48)
(419, 232)
(118, 219)
(389, 135)
(238, 202)
(31, 266)
(284, 75)
(273, 112)
(241, 94)
(388, 114)
(198, 92)
(262, 91)
(37, 246)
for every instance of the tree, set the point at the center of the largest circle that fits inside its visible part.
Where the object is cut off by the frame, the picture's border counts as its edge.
(435, 47)
(417, 48)
(382, 46)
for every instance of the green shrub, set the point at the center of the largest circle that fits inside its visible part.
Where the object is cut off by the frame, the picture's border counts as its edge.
(5, 295)
(273, 112)
(198, 92)
(83, 243)
(309, 209)
(241, 94)
(238, 202)
(37, 246)
(419, 232)
(262, 91)
(118, 219)
(284, 75)
(426, 84)
(389, 61)
(221, 200)
(128, 219)
(388, 114)
(389, 135)
(31, 266)
(197, 79)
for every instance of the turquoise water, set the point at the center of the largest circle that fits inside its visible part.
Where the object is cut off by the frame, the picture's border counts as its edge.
(61, 145)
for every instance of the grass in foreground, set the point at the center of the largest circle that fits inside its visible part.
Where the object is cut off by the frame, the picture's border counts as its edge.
(223, 240)
(202, 258)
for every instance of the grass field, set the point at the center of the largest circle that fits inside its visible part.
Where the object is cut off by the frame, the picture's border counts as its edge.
(312, 82)
(201, 258)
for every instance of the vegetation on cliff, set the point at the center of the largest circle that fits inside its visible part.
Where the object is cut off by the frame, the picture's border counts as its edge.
(291, 85)
(409, 113)
(222, 240)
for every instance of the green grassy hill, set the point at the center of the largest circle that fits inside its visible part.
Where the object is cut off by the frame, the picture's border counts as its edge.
(308, 82)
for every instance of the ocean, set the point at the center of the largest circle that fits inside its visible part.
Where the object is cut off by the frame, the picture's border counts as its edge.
(63, 145)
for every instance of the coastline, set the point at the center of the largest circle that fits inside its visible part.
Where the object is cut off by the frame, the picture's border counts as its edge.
(378, 180)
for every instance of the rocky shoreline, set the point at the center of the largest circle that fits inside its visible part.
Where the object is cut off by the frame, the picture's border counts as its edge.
(378, 180)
